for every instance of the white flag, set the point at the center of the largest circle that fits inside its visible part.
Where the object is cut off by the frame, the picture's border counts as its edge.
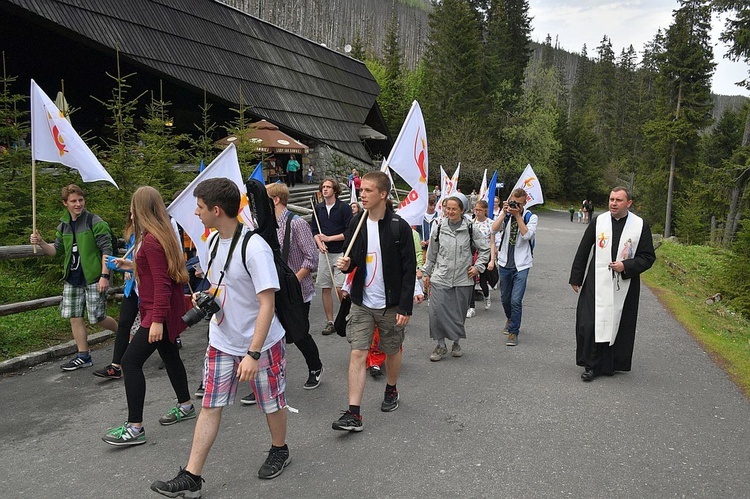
(53, 139)
(530, 183)
(408, 158)
(182, 209)
(353, 197)
(483, 187)
(451, 184)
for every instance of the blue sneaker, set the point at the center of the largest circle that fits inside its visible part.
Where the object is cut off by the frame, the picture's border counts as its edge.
(77, 362)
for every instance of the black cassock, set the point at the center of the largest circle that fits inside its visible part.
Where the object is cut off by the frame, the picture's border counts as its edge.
(601, 357)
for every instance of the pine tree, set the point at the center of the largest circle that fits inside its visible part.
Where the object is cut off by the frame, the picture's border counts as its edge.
(203, 146)
(684, 84)
(391, 99)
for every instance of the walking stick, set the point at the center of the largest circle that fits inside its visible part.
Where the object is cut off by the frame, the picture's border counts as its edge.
(330, 269)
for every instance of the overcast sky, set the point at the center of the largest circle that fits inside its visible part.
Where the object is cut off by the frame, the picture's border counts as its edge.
(632, 22)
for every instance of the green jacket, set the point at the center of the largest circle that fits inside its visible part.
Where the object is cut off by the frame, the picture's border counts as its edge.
(93, 241)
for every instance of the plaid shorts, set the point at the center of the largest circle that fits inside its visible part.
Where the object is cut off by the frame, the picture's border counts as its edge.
(74, 298)
(220, 378)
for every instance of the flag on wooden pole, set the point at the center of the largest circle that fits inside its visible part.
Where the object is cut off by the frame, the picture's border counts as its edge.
(53, 139)
(530, 183)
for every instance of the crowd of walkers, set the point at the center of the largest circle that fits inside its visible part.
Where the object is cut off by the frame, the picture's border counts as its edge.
(376, 264)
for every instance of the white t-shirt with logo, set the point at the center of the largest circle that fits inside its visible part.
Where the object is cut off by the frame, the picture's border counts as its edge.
(373, 295)
(232, 328)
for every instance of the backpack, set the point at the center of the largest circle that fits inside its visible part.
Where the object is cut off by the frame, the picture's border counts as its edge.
(471, 236)
(289, 300)
(113, 238)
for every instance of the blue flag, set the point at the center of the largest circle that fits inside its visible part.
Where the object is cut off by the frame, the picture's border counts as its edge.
(258, 173)
(491, 196)
(201, 167)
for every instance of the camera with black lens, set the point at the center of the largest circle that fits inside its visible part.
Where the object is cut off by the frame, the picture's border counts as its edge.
(205, 306)
(514, 205)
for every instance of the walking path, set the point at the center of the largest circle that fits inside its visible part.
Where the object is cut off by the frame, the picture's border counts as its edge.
(498, 422)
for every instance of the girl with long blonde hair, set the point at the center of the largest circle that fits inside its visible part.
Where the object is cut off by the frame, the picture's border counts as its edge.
(160, 273)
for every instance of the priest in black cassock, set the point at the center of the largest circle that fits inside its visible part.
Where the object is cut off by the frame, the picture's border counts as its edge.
(607, 309)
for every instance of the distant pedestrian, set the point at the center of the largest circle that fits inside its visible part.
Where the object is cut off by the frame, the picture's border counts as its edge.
(572, 211)
(292, 167)
(310, 174)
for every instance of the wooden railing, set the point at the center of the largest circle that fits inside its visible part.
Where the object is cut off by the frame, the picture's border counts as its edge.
(27, 251)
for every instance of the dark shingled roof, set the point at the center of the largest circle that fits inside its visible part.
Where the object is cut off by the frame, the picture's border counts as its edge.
(306, 89)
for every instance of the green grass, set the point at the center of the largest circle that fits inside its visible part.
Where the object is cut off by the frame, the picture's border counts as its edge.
(683, 278)
(38, 329)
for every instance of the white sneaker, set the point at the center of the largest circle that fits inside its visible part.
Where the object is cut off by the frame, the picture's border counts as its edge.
(470, 313)
(487, 303)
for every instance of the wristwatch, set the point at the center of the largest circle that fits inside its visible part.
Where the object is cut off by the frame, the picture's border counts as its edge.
(105, 276)
(255, 355)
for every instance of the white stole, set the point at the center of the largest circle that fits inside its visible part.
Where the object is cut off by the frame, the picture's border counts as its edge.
(611, 289)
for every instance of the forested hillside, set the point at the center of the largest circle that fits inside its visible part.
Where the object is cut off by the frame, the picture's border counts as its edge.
(338, 23)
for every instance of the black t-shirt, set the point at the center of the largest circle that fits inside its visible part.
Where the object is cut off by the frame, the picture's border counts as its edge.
(75, 271)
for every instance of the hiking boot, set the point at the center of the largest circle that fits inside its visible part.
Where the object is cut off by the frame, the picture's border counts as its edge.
(109, 372)
(249, 399)
(125, 435)
(313, 381)
(390, 401)
(200, 391)
(512, 340)
(376, 371)
(180, 486)
(77, 362)
(329, 329)
(507, 325)
(456, 350)
(177, 414)
(487, 303)
(471, 313)
(438, 353)
(278, 459)
(178, 342)
(348, 422)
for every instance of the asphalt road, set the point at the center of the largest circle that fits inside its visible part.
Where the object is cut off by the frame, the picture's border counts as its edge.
(498, 422)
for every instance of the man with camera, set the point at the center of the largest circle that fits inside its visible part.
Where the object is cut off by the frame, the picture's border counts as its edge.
(517, 228)
(246, 339)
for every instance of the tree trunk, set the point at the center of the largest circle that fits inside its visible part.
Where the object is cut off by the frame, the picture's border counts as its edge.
(672, 162)
(730, 228)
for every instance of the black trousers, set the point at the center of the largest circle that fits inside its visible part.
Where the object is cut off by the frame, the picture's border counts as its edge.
(128, 313)
(309, 348)
(485, 288)
(135, 356)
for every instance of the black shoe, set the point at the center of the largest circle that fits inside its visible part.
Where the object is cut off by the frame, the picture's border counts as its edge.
(180, 486)
(109, 372)
(390, 401)
(588, 375)
(376, 371)
(200, 391)
(249, 399)
(277, 460)
(348, 422)
(313, 380)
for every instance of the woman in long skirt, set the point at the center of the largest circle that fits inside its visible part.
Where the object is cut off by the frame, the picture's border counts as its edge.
(449, 274)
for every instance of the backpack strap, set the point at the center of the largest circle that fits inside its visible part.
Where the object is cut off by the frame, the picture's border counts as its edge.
(245, 240)
(526, 218)
(287, 233)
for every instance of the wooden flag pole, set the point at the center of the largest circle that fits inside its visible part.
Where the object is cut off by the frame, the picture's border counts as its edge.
(356, 233)
(330, 269)
(33, 197)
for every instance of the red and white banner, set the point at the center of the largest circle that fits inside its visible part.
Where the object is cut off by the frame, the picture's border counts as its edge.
(408, 158)
(53, 139)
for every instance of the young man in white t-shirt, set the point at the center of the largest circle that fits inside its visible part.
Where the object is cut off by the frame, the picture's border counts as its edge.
(382, 292)
(246, 339)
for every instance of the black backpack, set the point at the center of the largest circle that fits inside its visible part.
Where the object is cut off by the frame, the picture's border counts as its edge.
(289, 299)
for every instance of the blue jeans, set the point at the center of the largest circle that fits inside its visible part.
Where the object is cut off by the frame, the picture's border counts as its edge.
(512, 288)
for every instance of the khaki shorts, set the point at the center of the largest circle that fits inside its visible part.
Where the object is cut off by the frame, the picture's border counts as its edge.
(361, 326)
(324, 275)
